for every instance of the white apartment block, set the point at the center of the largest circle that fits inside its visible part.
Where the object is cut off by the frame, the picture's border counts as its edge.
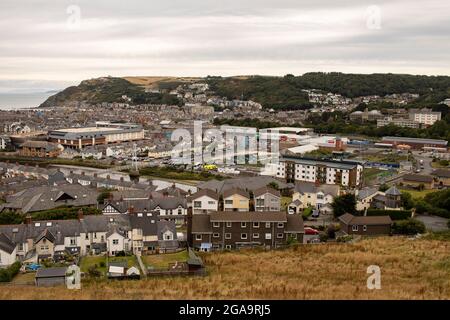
(344, 173)
(425, 116)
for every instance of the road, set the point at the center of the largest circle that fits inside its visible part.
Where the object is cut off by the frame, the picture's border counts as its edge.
(433, 223)
(427, 168)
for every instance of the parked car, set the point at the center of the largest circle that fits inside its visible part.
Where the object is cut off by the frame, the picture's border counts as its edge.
(311, 231)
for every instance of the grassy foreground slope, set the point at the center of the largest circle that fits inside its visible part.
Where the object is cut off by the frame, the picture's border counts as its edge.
(410, 269)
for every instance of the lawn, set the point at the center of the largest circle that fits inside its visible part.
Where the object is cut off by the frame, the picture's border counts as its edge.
(89, 261)
(416, 194)
(371, 173)
(131, 260)
(410, 269)
(162, 261)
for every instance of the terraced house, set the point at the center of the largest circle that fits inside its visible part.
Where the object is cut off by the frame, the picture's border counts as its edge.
(233, 230)
(35, 241)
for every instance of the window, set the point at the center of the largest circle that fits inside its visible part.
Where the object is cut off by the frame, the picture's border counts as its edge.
(86, 236)
(364, 228)
(95, 235)
(354, 227)
(243, 236)
(280, 225)
(279, 235)
(268, 236)
(243, 224)
(260, 202)
(256, 236)
(267, 224)
(20, 246)
(211, 202)
(115, 241)
(243, 201)
(197, 204)
(255, 224)
(227, 235)
(228, 224)
(180, 211)
(44, 247)
(228, 201)
(198, 237)
(216, 224)
(215, 235)
(73, 241)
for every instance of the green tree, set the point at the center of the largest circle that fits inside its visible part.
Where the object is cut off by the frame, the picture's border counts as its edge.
(344, 204)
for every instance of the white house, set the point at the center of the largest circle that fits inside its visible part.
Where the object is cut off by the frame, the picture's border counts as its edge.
(117, 242)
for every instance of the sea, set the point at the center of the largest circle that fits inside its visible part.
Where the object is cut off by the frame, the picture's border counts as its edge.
(14, 101)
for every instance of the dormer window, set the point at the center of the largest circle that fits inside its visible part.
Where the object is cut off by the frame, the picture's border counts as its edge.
(48, 224)
(37, 224)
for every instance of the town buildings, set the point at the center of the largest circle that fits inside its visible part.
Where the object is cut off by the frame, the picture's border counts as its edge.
(344, 173)
(103, 133)
(424, 116)
(39, 149)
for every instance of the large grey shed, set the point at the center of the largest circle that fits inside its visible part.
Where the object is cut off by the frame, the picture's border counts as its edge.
(50, 277)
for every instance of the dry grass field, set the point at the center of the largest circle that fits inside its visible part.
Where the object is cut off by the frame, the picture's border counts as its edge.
(410, 269)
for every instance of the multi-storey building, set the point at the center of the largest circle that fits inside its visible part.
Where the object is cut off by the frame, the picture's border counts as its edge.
(399, 122)
(424, 116)
(230, 230)
(344, 173)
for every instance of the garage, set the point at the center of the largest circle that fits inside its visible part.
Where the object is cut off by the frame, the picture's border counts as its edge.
(51, 277)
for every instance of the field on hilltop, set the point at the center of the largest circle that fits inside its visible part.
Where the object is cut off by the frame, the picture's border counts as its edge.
(410, 269)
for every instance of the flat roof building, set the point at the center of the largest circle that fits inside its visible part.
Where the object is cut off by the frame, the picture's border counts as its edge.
(103, 133)
(416, 143)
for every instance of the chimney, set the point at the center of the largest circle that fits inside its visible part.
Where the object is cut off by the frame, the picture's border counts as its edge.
(150, 196)
(95, 175)
(189, 227)
(28, 219)
(166, 194)
(82, 173)
(131, 210)
(108, 177)
(80, 214)
(121, 179)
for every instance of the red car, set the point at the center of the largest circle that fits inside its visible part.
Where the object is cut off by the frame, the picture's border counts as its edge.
(311, 231)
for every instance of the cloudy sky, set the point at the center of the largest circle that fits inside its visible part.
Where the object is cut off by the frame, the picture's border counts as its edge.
(49, 44)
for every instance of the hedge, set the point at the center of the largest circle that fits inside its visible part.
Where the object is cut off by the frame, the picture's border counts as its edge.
(408, 227)
(394, 214)
(6, 275)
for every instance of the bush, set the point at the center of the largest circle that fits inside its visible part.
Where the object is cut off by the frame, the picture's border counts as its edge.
(323, 237)
(331, 231)
(93, 272)
(394, 214)
(6, 275)
(408, 227)
(102, 264)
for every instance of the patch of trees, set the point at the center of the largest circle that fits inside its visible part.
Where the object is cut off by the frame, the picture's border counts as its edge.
(344, 204)
(62, 213)
(435, 203)
(6, 275)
